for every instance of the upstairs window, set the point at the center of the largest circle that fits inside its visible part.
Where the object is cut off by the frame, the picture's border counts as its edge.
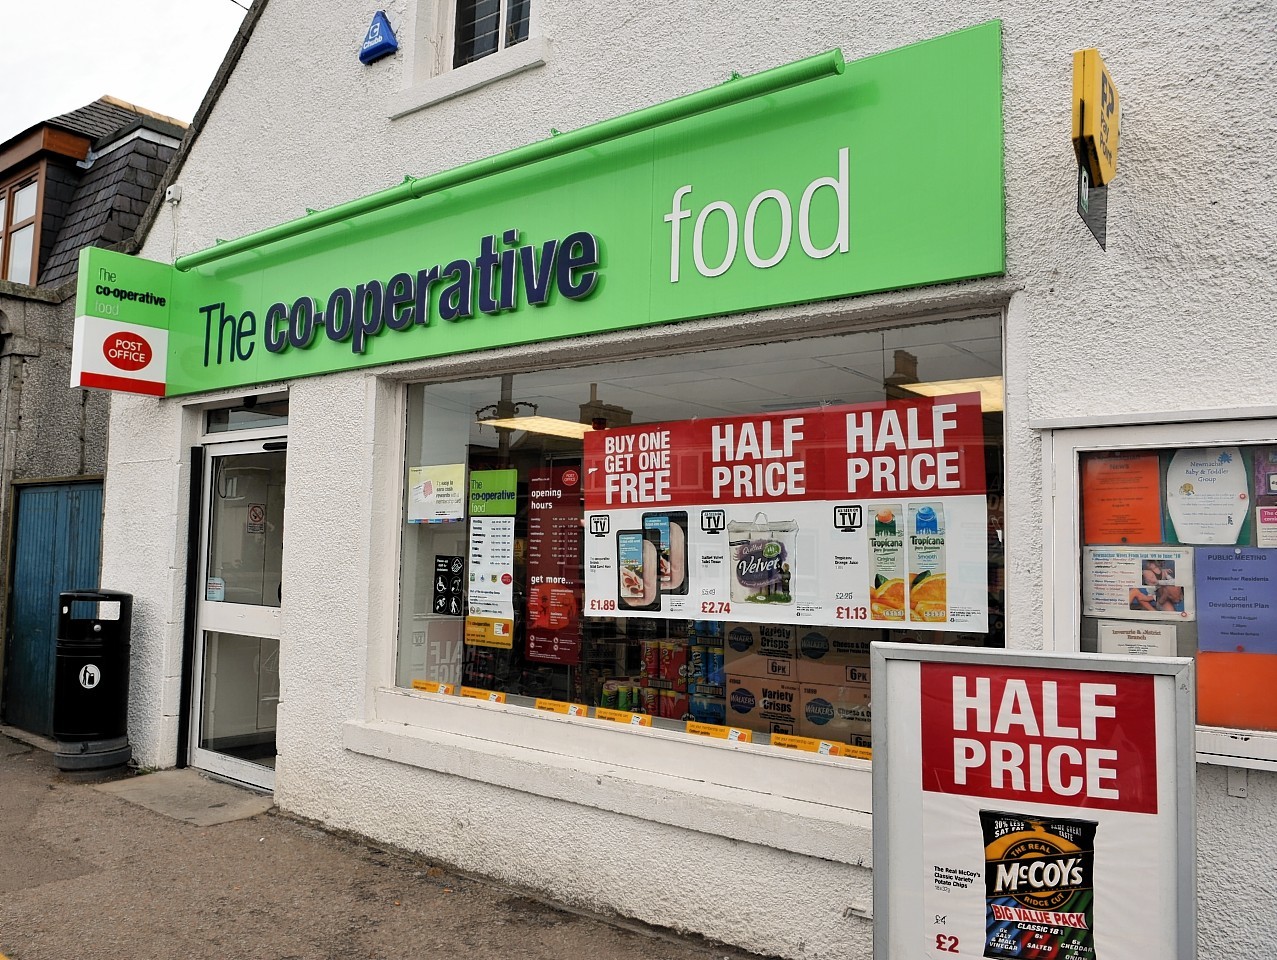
(484, 27)
(19, 208)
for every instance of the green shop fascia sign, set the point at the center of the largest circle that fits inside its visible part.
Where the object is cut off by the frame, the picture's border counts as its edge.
(813, 181)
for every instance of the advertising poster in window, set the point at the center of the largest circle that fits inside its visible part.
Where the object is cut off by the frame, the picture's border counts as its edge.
(1121, 498)
(554, 565)
(1025, 798)
(1138, 583)
(448, 586)
(437, 493)
(494, 493)
(1265, 496)
(871, 515)
(490, 609)
(1266, 474)
(1266, 526)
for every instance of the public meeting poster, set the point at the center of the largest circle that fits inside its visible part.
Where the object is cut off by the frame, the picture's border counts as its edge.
(870, 515)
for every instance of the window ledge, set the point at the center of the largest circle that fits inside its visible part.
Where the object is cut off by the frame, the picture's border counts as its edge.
(519, 750)
(533, 52)
(1253, 749)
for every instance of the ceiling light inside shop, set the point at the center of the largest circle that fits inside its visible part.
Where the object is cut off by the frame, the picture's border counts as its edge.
(550, 426)
(989, 388)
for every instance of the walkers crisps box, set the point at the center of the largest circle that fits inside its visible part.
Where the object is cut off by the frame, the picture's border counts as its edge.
(833, 674)
(832, 645)
(832, 655)
(765, 650)
(835, 712)
(762, 704)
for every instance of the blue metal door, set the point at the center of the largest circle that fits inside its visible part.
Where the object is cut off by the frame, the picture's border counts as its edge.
(57, 547)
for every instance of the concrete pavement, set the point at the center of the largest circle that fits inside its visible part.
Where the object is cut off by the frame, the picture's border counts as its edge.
(176, 866)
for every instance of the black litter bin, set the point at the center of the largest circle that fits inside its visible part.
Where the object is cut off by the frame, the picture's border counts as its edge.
(91, 679)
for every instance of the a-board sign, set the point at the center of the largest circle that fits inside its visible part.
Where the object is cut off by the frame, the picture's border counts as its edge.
(1031, 805)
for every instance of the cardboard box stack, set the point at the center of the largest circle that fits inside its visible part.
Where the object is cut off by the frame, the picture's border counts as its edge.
(832, 670)
(762, 687)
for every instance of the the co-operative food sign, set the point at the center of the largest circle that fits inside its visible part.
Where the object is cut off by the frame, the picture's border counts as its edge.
(843, 194)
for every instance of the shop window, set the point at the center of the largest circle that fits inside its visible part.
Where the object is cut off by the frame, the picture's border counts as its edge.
(707, 542)
(1176, 555)
(19, 206)
(483, 27)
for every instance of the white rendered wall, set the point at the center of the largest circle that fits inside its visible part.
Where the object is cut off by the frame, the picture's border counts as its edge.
(1175, 316)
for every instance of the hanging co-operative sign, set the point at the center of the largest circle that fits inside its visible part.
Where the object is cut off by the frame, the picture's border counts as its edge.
(1019, 799)
(645, 219)
(121, 335)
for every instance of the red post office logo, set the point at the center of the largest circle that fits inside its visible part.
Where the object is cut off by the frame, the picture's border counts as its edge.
(127, 351)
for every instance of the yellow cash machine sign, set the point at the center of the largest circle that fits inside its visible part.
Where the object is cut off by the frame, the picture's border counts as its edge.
(1097, 116)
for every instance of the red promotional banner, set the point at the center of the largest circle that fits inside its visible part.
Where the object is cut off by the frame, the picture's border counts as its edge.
(1067, 737)
(869, 515)
(930, 447)
(554, 565)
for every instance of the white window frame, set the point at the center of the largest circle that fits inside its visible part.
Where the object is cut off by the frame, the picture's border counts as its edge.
(430, 76)
(1062, 447)
(8, 191)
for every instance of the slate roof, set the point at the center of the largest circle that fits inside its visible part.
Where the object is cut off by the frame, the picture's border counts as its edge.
(102, 204)
(106, 117)
(108, 203)
(94, 120)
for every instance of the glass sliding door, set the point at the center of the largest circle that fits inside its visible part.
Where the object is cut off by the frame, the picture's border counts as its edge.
(236, 688)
